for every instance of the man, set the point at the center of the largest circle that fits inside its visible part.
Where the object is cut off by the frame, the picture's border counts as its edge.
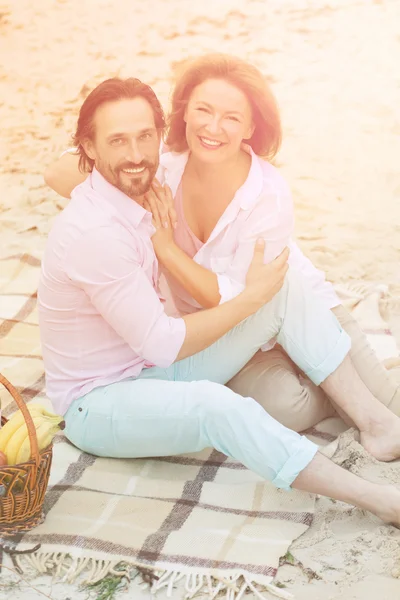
(134, 382)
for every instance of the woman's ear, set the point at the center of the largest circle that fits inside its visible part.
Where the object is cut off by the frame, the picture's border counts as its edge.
(250, 131)
(185, 114)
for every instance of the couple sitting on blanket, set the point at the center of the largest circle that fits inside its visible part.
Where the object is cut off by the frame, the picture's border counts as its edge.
(271, 353)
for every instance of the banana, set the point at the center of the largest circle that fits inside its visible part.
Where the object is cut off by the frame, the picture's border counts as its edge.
(16, 421)
(45, 433)
(19, 443)
(17, 438)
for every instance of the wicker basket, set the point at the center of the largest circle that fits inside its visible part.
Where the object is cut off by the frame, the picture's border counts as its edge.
(23, 487)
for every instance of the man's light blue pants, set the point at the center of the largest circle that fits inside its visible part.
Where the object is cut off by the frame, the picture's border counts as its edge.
(186, 407)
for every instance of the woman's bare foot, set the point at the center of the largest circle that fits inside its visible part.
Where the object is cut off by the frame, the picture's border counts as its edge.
(382, 440)
(379, 427)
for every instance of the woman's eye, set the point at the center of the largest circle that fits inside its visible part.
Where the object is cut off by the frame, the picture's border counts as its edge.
(202, 109)
(233, 119)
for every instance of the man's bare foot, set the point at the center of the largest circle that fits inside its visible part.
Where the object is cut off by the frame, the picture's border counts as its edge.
(388, 505)
(383, 441)
(322, 476)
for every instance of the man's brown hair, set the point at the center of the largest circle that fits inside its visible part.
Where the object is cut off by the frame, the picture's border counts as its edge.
(111, 90)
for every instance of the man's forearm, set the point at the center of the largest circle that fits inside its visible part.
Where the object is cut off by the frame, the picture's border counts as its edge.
(205, 327)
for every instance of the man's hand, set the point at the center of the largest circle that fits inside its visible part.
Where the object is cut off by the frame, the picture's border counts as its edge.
(264, 281)
(158, 200)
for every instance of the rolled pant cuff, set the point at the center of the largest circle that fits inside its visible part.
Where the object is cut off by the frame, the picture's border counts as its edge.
(295, 464)
(332, 361)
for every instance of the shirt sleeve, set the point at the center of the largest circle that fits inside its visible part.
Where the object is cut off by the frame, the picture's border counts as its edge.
(272, 219)
(315, 277)
(107, 266)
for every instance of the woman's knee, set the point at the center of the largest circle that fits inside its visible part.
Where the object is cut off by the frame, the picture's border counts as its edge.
(291, 399)
(300, 406)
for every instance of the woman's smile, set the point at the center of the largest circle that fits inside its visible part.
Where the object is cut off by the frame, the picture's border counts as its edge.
(209, 143)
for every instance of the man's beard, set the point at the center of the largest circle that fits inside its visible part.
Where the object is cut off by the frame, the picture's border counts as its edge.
(130, 185)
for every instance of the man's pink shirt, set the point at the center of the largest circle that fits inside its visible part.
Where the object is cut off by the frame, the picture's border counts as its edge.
(101, 316)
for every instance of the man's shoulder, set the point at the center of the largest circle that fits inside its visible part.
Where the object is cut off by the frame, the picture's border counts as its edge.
(88, 228)
(73, 253)
(85, 225)
(77, 219)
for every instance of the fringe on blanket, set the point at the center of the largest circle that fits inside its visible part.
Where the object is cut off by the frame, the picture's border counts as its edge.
(68, 569)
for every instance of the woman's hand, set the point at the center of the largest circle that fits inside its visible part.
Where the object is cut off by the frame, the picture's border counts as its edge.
(158, 200)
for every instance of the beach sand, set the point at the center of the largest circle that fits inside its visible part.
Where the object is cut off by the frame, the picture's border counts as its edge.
(333, 66)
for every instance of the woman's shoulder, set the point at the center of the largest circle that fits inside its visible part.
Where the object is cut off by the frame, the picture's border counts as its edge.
(273, 180)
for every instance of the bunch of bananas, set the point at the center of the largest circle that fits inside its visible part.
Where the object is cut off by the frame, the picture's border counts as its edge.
(14, 438)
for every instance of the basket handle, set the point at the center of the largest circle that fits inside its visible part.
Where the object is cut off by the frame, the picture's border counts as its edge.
(27, 416)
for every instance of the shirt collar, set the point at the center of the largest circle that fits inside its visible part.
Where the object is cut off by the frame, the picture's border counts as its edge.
(247, 195)
(173, 165)
(130, 209)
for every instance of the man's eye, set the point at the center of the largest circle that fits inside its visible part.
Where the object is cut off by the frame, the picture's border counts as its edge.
(116, 141)
(145, 136)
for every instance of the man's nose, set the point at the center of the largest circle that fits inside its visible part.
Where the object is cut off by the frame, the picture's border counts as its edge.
(134, 153)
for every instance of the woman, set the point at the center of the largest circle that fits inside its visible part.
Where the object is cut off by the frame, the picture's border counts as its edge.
(224, 126)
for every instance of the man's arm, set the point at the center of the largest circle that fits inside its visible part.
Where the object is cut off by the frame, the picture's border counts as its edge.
(262, 283)
(107, 269)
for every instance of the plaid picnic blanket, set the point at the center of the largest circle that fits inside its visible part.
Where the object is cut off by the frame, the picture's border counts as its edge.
(202, 518)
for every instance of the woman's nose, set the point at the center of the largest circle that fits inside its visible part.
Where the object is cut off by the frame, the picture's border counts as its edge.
(214, 126)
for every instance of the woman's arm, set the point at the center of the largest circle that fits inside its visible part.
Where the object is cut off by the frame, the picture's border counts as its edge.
(272, 220)
(199, 282)
(64, 175)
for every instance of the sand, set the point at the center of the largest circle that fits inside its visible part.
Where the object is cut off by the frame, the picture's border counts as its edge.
(334, 68)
